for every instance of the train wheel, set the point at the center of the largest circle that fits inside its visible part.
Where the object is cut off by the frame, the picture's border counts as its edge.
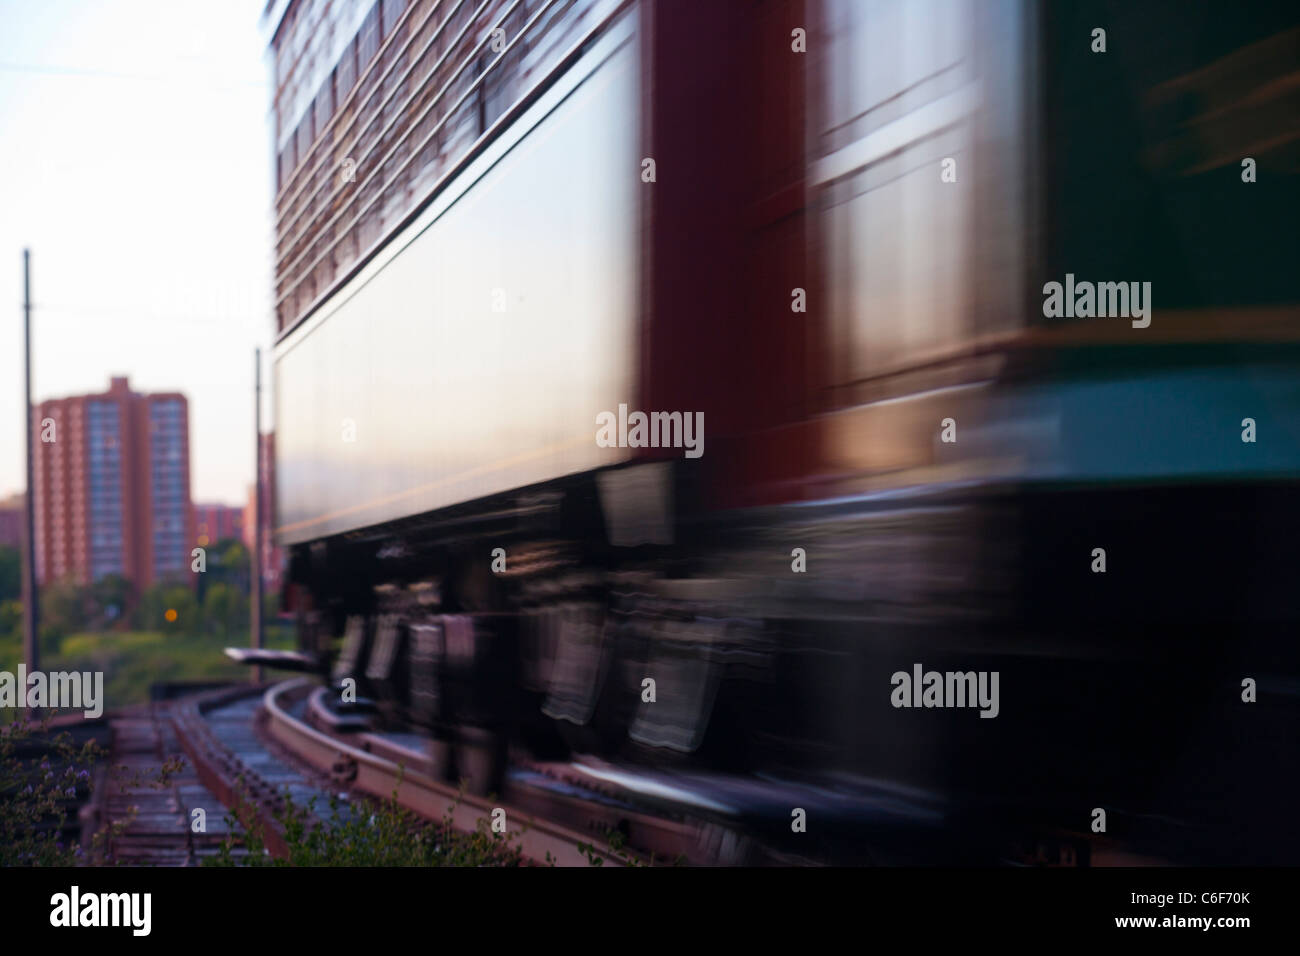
(480, 759)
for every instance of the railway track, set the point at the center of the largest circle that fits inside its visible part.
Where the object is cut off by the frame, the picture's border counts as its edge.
(395, 771)
(219, 735)
(251, 749)
(247, 749)
(151, 816)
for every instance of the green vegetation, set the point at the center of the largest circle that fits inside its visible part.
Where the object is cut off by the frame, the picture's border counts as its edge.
(43, 778)
(379, 834)
(35, 784)
(383, 833)
(169, 632)
(11, 571)
(134, 660)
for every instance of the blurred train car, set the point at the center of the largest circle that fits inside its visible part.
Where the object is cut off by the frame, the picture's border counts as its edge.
(826, 228)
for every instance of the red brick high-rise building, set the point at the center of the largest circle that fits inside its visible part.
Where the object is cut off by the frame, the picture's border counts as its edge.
(213, 523)
(11, 522)
(113, 487)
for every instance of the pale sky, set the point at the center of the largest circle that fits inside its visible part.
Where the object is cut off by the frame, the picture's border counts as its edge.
(135, 163)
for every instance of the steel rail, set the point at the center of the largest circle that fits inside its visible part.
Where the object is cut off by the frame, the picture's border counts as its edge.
(383, 778)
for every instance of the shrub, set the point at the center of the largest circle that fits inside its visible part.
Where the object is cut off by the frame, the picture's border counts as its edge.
(382, 834)
(38, 775)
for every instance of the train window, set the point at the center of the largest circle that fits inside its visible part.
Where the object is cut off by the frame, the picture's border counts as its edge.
(893, 101)
(368, 38)
(392, 12)
(1145, 144)
(885, 59)
(325, 103)
(500, 83)
(305, 136)
(346, 71)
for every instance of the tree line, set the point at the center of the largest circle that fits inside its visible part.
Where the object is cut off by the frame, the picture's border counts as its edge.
(217, 603)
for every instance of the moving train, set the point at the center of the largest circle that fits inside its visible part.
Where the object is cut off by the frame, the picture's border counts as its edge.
(812, 244)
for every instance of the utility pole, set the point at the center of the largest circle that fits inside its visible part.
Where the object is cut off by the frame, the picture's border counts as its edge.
(31, 597)
(255, 565)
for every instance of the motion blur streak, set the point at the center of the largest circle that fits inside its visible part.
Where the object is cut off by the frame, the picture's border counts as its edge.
(826, 226)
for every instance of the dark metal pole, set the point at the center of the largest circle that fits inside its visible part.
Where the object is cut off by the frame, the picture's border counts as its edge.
(31, 596)
(255, 565)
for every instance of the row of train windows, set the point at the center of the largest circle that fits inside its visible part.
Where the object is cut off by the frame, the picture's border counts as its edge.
(378, 23)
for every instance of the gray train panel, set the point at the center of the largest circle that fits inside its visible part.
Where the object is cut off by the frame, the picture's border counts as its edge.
(474, 354)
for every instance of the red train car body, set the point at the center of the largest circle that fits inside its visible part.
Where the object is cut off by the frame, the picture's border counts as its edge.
(823, 227)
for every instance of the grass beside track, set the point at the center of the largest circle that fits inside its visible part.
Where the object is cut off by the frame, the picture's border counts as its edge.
(132, 661)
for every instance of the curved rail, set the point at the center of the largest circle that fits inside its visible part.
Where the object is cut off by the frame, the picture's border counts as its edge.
(540, 840)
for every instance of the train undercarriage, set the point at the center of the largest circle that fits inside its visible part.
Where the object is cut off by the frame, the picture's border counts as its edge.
(715, 677)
